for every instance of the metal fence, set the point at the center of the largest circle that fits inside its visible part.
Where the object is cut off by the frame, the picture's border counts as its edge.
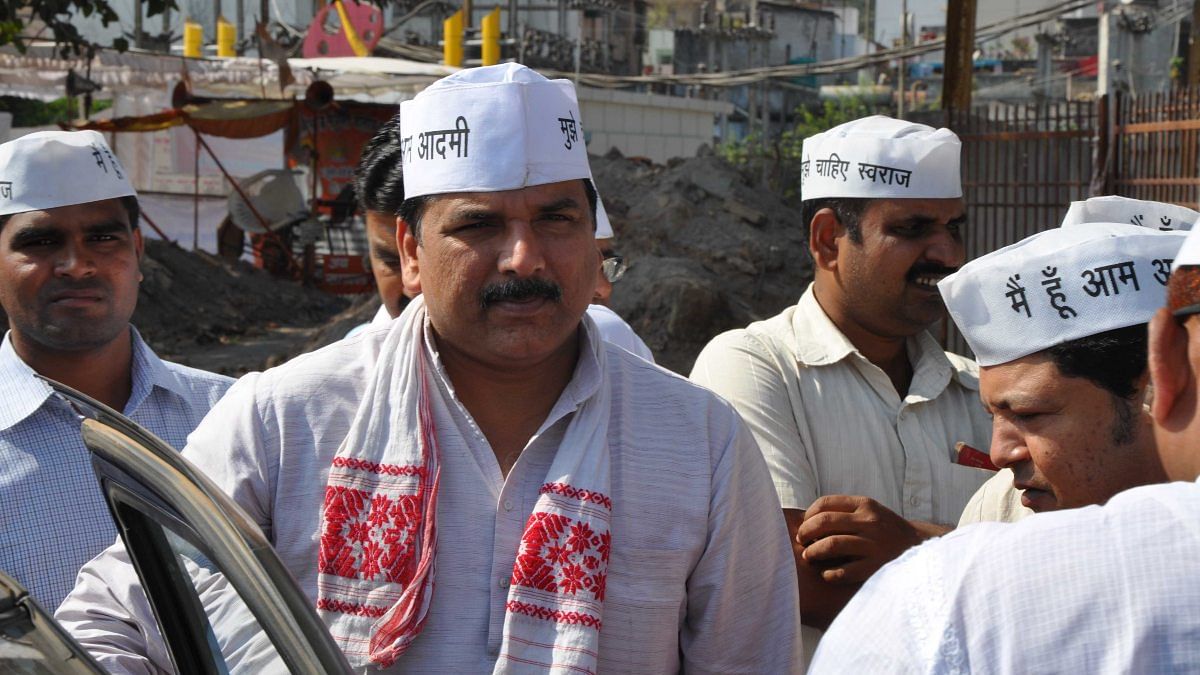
(1022, 164)
(1151, 149)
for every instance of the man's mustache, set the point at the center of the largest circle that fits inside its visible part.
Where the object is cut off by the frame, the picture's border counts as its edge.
(517, 290)
(54, 288)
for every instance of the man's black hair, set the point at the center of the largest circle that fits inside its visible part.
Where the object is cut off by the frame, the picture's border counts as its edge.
(379, 176)
(1113, 360)
(413, 208)
(849, 211)
(130, 203)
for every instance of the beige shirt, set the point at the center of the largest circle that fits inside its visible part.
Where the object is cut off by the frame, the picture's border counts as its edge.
(995, 501)
(830, 422)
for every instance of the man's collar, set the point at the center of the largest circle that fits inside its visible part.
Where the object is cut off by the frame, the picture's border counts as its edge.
(381, 317)
(21, 392)
(819, 342)
(149, 371)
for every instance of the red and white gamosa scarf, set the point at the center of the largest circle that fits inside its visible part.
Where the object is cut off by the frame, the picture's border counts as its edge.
(379, 539)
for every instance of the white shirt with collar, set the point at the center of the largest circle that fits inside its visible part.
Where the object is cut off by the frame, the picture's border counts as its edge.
(615, 331)
(53, 517)
(701, 576)
(830, 422)
(1102, 589)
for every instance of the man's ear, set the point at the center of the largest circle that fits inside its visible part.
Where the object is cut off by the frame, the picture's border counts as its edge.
(410, 265)
(1168, 363)
(825, 234)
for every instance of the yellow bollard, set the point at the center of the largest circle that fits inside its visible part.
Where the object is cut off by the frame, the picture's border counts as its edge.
(491, 38)
(193, 38)
(452, 40)
(226, 39)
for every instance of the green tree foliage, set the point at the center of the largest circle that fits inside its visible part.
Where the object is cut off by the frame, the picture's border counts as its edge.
(32, 113)
(781, 156)
(55, 19)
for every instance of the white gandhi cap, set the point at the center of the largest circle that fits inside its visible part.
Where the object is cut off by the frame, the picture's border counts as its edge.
(1189, 253)
(49, 169)
(1113, 209)
(1059, 285)
(881, 157)
(489, 129)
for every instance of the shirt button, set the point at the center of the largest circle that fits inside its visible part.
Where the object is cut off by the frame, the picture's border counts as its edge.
(505, 582)
(914, 500)
(507, 505)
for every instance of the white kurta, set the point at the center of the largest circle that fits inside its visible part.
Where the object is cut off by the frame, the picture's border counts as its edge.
(614, 329)
(830, 422)
(701, 576)
(1103, 589)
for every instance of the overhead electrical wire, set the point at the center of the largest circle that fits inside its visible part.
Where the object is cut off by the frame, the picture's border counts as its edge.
(737, 78)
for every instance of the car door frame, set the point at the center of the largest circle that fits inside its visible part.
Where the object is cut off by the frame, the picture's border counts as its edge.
(145, 480)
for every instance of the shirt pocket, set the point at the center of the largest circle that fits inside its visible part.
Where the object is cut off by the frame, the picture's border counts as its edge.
(645, 602)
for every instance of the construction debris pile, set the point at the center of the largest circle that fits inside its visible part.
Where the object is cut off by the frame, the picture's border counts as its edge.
(195, 309)
(708, 251)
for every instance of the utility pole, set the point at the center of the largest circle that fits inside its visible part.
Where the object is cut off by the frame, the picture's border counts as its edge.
(241, 23)
(138, 40)
(960, 50)
(903, 61)
(1193, 71)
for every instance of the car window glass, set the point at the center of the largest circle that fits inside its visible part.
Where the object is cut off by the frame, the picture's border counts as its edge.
(235, 638)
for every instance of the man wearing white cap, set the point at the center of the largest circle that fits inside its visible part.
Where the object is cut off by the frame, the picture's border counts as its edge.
(69, 254)
(846, 392)
(1140, 212)
(487, 485)
(1090, 372)
(1101, 589)
(379, 188)
(612, 267)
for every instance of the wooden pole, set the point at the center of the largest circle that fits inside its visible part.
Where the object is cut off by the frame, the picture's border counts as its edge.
(903, 63)
(1193, 65)
(138, 40)
(960, 50)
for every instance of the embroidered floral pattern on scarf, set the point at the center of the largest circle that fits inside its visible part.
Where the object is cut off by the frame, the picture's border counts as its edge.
(378, 534)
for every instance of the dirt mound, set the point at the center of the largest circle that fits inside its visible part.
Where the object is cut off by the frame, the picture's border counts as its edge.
(708, 251)
(196, 309)
(361, 310)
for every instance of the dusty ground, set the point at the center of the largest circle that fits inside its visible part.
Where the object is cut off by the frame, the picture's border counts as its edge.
(195, 309)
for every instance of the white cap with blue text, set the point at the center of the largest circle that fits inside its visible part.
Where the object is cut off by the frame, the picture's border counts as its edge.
(489, 129)
(1059, 285)
(49, 169)
(1189, 253)
(1113, 209)
(880, 157)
